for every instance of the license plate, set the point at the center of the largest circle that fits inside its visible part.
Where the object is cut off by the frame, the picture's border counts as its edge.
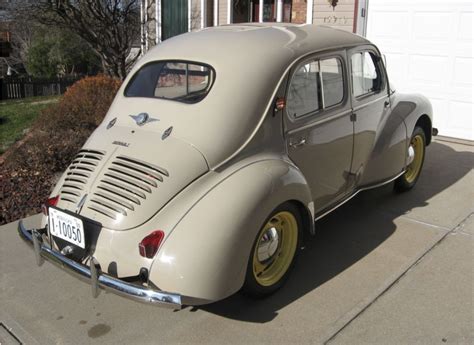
(66, 227)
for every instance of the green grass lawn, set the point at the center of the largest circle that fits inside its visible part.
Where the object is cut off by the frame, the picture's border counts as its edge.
(16, 116)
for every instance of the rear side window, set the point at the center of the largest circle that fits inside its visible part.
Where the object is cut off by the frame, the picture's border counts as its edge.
(173, 80)
(365, 75)
(315, 85)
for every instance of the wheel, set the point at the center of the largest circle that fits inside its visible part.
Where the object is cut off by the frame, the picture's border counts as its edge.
(274, 251)
(416, 152)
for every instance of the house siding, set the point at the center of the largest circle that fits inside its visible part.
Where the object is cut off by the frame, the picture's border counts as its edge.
(341, 17)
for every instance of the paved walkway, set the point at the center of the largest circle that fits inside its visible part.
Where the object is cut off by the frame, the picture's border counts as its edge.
(384, 268)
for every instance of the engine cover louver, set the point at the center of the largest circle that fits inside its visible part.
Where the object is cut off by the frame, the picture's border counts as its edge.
(78, 173)
(123, 187)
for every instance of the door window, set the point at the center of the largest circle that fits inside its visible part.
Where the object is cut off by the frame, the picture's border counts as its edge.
(366, 77)
(304, 92)
(315, 85)
(333, 83)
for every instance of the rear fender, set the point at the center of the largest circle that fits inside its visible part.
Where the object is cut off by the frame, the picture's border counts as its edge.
(205, 256)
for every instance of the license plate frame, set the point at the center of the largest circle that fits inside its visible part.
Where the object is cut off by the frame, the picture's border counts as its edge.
(92, 231)
(67, 227)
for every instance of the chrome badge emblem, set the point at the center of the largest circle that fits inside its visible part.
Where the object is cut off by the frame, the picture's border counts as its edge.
(142, 119)
(111, 123)
(167, 133)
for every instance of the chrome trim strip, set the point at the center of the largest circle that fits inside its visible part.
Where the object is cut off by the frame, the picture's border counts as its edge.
(95, 277)
(325, 213)
(320, 121)
(370, 102)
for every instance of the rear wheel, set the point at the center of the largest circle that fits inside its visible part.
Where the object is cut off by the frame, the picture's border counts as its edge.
(273, 252)
(416, 153)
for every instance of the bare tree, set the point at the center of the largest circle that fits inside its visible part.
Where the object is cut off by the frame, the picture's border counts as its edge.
(110, 27)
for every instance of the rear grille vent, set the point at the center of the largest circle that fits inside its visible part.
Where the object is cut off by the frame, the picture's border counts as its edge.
(126, 185)
(78, 173)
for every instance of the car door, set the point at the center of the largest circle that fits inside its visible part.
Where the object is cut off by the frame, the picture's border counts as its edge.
(376, 156)
(318, 126)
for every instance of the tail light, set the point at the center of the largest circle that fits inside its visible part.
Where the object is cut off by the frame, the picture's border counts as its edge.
(50, 202)
(150, 244)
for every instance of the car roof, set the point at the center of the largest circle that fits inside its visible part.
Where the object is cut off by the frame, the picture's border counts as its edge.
(260, 40)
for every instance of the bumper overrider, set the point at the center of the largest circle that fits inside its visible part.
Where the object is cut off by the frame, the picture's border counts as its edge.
(95, 276)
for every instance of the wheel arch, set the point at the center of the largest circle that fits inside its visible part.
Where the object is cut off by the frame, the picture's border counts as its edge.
(424, 122)
(307, 218)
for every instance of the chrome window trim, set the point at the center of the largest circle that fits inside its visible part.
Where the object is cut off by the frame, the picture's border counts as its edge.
(319, 121)
(375, 100)
(381, 69)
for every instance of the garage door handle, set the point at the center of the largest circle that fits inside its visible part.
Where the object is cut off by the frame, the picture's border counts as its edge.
(299, 143)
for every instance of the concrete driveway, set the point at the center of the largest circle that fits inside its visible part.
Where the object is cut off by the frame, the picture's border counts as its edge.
(384, 268)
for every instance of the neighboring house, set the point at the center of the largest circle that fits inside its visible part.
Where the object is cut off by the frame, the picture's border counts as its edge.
(179, 16)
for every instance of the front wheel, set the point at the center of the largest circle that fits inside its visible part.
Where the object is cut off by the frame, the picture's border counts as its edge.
(273, 252)
(416, 156)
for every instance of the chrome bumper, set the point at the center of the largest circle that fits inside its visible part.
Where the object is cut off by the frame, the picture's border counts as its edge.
(95, 277)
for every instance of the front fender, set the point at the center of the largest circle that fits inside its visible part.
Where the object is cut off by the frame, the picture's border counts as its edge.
(412, 108)
(205, 256)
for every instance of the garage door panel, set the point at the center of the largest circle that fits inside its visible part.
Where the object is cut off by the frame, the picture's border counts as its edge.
(398, 68)
(465, 27)
(441, 106)
(432, 25)
(392, 25)
(463, 72)
(429, 70)
(428, 46)
(462, 127)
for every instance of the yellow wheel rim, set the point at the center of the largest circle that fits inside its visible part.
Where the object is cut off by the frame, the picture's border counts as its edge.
(275, 248)
(413, 170)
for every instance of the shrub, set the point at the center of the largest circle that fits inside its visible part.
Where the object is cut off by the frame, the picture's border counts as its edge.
(30, 169)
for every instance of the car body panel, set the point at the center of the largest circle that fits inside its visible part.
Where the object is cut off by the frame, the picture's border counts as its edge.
(130, 183)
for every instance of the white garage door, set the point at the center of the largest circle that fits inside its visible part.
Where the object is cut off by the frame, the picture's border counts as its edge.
(428, 46)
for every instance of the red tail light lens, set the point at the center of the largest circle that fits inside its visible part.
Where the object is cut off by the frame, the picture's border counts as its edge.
(50, 202)
(150, 244)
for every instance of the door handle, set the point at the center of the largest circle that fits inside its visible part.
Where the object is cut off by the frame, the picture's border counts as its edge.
(386, 104)
(295, 144)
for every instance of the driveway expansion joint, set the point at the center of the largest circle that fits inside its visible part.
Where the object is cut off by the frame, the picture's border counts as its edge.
(395, 281)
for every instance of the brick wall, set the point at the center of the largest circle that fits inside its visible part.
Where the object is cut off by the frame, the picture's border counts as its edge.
(298, 11)
(222, 12)
(195, 15)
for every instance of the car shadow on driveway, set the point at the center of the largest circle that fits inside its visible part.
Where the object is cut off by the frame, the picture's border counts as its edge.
(350, 233)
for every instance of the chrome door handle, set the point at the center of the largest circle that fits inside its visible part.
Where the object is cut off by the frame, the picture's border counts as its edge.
(301, 142)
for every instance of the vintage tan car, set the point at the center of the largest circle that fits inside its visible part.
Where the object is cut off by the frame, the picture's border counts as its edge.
(220, 151)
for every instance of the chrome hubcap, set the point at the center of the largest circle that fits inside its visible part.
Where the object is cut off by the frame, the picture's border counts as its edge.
(411, 154)
(268, 245)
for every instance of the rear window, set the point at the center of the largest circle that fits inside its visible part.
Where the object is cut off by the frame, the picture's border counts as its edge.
(187, 82)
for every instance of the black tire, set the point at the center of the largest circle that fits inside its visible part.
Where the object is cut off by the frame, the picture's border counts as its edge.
(252, 285)
(408, 180)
